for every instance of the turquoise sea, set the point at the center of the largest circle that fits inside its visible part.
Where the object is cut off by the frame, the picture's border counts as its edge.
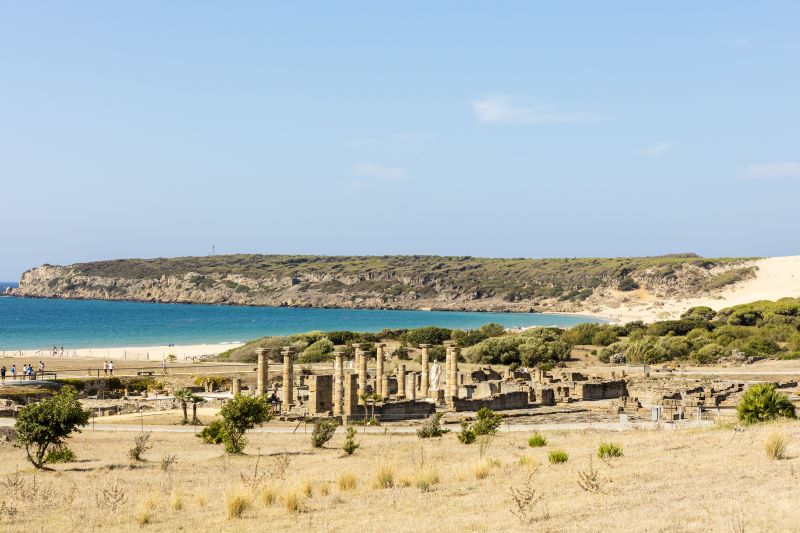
(33, 323)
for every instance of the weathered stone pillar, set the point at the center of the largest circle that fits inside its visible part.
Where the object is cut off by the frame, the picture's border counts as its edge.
(448, 363)
(288, 378)
(262, 376)
(236, 386)
(455, 353)
(361, 363)
(379, 372)
(384, 394)
(338, 381)
(401, 382)
(424, 383)
(412, 388)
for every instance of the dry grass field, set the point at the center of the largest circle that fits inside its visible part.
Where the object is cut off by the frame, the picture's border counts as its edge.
(694, 480)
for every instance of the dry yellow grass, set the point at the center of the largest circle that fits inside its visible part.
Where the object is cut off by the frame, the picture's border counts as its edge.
(697, 480)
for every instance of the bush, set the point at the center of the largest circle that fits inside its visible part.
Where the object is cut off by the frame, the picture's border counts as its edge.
(427, 335)
(775, 446)
(350, 445)
(432, 427)
(317, 352)
(425, 481)
(140, 445)
(324, 429)
(49, 423)
(213, 433)
(236, 503)
(60, 454)
(537, 440)
(240, 414)
(486, 423)
(385, 478)
(557, 457)
(607, 450)
(762, 402)
(708, 354)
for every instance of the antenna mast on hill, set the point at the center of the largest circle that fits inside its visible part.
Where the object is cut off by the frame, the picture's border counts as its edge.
(213, 250)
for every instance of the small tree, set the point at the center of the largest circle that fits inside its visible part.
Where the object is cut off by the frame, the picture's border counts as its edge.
(239, 415)
(324, 429)
(49, 423)
(762, 402)
(350, 444)
(186, 396)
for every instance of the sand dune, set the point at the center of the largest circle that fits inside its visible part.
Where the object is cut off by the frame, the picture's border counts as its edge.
(776, 278)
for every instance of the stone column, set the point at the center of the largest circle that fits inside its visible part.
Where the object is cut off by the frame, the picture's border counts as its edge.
(379, 372)
(455, 352)
(338, 381)
(448, 358)
(361, 364)
(424, 383)
(236, 386)
(384, 379)
(412, 388)
(262, 376)
(288, 378)
(401, 382)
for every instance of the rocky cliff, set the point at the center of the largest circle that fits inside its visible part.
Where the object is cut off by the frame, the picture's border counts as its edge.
(393, 282)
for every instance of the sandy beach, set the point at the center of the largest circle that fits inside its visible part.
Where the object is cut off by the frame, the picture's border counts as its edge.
(138, 353)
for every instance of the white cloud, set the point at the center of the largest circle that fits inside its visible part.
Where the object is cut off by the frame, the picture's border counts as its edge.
(380, 172)
(502, 109)
(777, 169)
(656, 149)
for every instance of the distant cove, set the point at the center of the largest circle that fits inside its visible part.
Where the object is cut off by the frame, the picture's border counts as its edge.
(32, 323)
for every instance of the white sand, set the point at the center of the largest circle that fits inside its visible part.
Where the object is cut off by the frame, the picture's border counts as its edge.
(776, 278)
(140, 353)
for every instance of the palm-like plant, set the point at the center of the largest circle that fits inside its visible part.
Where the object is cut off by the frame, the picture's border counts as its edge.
(186, 396)
(762, 402)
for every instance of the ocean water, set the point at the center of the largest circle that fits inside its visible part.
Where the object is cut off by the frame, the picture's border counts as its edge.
(33, 323)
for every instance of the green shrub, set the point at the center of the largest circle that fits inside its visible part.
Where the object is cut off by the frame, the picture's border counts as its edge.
(60, 454)
(140, 445)
(432, 427)
(317, 352)
(48, 423)
(240, 414)
(537, 440)
(486, 423)
(213, 433)
(350, 444)
(607, 450)
(557, 457)
(762, 402)
(324, 429)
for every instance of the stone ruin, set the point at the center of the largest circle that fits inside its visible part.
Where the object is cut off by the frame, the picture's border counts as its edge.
(361, 392)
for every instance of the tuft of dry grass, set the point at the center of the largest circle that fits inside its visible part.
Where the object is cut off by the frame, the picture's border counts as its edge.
(324, 488)
(347, 482)
(775, 446)
(307, 489)
(482, 470)
(201, 501)
(176, 500)
(267, 495)
(237, 502)
(384, 479)
(144, 511)
(527, 462)
(293, 501)
(426, 480)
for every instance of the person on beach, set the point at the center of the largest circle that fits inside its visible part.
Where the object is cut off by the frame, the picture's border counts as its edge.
(111, 368)
(3, 374)
(163, 365)
(13, 372)
(41, 368)
(105, 368)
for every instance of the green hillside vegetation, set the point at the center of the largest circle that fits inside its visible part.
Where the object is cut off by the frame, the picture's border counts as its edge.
(703, 336)
(509, 279)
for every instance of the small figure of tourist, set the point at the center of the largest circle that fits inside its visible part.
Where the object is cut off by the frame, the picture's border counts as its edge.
(111, 368)
(273, 400)
(13, 372)
(105, 368)
(163, 365)
(3, 374)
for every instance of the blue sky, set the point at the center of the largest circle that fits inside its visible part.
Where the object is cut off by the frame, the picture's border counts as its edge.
(515, 129)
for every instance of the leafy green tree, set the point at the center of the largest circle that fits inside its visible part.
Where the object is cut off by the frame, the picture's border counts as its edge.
(486, 423)
(762, 402)
(702, 312)
(427, 335)
(317, 352)
(324, 428)
(240, 414)
(605, 337)
(48, 423)
(708, 354)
